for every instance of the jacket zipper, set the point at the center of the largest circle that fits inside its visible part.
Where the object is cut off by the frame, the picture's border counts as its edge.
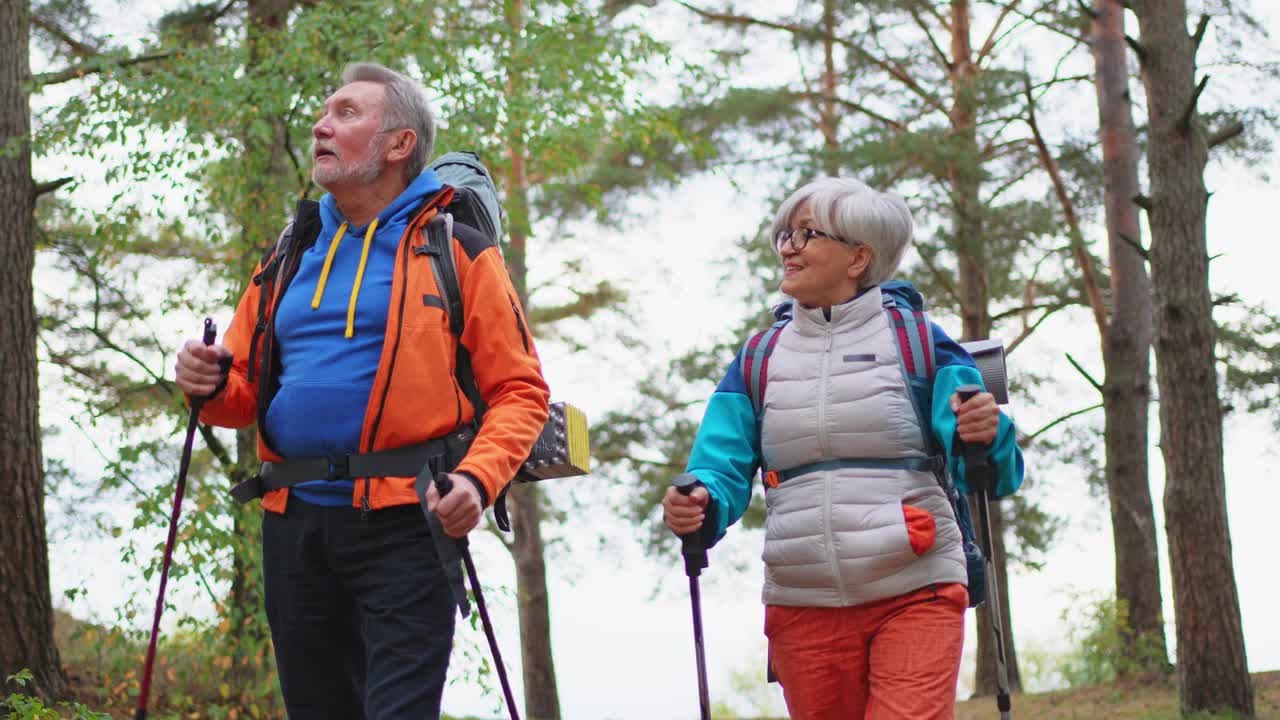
(391, 368)
(524, 335)
(457, 397)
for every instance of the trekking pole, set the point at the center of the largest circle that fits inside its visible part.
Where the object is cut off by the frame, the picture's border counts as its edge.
(978, 476)
(695, 559)
(210, 332)
(443, 486)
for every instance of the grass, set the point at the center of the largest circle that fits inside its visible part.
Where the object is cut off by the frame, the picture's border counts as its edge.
(103, 668)
(1118, 701)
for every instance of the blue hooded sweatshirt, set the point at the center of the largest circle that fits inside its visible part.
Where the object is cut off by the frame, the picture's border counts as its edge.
(330, 331)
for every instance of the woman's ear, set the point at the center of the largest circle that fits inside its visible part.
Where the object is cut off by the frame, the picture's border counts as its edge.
(860, 262)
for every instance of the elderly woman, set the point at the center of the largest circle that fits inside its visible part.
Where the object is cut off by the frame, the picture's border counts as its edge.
(864, 569)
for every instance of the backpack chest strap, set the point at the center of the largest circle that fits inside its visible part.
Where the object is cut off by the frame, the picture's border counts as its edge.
(931, 463)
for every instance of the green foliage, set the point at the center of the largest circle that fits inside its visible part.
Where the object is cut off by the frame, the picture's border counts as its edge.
(19, 706)
(1249, 353)
(213, 145)
(1098, 628)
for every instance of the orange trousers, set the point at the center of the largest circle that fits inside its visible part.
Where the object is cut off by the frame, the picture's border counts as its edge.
(893, 659)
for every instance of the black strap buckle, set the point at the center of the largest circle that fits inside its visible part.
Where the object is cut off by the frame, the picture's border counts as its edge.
(339, 467)
(247, 490)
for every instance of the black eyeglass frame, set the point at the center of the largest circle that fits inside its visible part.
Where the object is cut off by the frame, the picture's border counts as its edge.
(805, 235)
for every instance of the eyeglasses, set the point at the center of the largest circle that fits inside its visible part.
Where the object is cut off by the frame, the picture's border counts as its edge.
(800, 237)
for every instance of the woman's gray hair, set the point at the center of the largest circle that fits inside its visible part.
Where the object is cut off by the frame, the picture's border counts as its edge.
(856, 214)
(405, 107)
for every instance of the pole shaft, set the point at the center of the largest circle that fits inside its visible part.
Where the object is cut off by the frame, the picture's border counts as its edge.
(144, 691)
(704, 696)
(993, 601)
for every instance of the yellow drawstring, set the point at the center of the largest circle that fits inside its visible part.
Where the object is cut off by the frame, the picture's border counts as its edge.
(355, 289)
(328, 263)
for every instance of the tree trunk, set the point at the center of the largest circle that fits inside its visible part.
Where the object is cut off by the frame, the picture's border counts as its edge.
(259, 217)
(965, 179)
(984, 681)
(1126, 352)
(828, 117)
(26, 631)
(1212, 669)
(541, 700)
(250, 635)
(541, 697)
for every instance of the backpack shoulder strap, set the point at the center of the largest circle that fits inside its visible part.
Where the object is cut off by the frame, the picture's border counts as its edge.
(917, 359)
(439, 247)
(754, 359)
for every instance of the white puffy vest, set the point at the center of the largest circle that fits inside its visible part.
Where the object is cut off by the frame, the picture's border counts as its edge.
(838, 537)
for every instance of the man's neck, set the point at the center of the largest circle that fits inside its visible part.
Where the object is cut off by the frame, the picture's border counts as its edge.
(360, 204)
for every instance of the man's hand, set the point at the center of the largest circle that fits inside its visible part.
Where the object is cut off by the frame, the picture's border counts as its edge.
(977, 419)
(460, 510)
(685, 513)
(197, 370)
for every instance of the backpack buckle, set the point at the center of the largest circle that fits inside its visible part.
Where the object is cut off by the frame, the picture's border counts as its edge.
(771, 479)
(339, 467)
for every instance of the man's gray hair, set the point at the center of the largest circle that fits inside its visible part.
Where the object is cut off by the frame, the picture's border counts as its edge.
(405, 107)
(856, 214)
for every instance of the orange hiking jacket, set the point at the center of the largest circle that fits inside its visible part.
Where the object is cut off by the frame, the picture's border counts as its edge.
(416, 395)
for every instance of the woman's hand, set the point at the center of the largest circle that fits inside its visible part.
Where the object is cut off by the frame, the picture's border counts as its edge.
(977, 418)
(685, 513)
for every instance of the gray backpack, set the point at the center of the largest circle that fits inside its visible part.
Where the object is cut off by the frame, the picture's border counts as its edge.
(475, 198)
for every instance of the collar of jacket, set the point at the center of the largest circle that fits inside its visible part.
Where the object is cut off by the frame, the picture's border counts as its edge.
(813, 321)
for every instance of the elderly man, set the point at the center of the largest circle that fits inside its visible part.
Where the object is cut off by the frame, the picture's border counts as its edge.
(341, 350)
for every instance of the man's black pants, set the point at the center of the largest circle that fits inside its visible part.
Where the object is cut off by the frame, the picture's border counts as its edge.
(360, 611)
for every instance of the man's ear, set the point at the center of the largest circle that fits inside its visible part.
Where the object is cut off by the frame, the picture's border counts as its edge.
(401, 145)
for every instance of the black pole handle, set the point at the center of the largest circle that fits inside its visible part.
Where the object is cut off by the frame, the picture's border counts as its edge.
(224, 363)
(444, 483)
(975, 455)
(691, 546)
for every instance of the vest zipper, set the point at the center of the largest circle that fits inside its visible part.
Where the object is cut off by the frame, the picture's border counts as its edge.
(833, 554)
(824, 389)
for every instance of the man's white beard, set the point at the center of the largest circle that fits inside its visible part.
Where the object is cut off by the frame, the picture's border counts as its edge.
(340, 173)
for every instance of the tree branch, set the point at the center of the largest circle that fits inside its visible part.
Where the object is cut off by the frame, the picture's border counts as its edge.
(1198, 36)
(1031, 438)
(990, 43)
(51, 186)
(1096, 385)
(215, 445)
(1091, 289)
(80, 49)
(854, 106)
(941, 278)
(1224, 134)
(96, 66)
(1026, 332)
(1137, 48)
(937, 49)
(1185, 123)
(1024, 309)
(894, 71)
(1137, 246)
(1142, 201)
